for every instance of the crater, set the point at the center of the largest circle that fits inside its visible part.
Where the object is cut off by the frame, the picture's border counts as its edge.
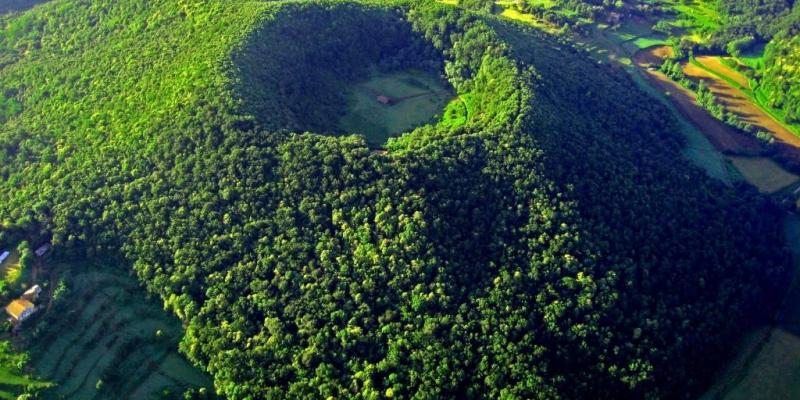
(341, 69)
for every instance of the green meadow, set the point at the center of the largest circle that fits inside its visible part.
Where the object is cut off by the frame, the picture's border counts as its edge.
(417, 97)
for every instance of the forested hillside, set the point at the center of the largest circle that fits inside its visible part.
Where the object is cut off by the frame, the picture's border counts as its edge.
(775, 23)
(781, 74)
(556, 245)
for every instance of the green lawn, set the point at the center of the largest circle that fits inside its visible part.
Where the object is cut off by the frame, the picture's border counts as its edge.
(378, 122)
(106, 330)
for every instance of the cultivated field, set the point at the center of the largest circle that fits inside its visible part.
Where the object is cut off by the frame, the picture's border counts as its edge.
(724, 138)
(740, 104)
(418, 98)
(764, 174)
(767, 362)
(105, 340)
(715, 64)
(774, 373)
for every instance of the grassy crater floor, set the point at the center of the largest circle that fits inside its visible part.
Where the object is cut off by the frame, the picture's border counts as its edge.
(416, 98)
(103, 340)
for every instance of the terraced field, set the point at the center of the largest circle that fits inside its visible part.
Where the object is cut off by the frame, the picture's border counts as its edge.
(104, 341)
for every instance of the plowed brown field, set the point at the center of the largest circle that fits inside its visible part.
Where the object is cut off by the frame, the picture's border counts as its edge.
(723, 137)
(715, 64)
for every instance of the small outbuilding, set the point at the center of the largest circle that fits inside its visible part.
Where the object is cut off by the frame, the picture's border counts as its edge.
(19, 310)
(385, 100)
(4, 255)
(43, 249)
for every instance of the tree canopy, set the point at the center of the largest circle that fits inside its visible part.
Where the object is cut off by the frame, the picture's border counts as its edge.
(554, 246)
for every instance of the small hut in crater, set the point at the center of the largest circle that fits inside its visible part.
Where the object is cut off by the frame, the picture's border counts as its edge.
(385, 100)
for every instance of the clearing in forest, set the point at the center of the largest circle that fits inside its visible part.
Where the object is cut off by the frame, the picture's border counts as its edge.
(104, 340)
(392, 103)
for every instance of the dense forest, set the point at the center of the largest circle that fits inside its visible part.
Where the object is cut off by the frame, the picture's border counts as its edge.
(554, 246)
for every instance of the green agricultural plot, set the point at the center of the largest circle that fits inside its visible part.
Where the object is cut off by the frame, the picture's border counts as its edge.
(413, 97)
(103, 340)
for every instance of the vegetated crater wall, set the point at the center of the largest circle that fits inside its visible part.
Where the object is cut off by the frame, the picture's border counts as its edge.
(294, 72)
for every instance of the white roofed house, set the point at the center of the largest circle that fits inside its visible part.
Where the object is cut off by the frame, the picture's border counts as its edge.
(32, 293)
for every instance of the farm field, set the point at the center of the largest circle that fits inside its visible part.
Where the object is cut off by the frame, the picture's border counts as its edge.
(763, 173)
(716, 65)
(724, 138)
(739, 103)
(103, 340)
(774, 373)
(419, 98)
(767, 361)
